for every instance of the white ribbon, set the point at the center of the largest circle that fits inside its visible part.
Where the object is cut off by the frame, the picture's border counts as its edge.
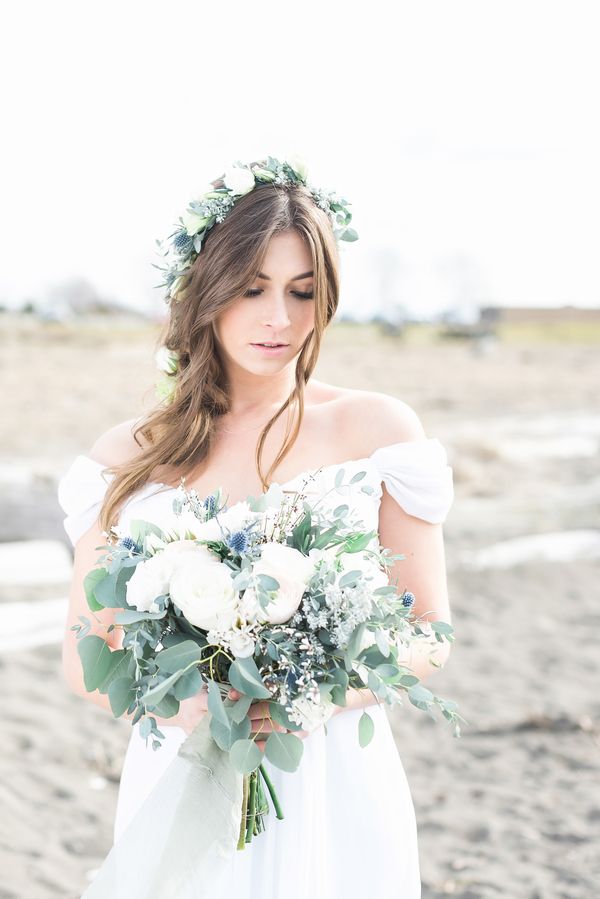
(181, 843)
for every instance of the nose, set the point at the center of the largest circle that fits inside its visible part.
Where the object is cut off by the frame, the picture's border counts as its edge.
(276, 313)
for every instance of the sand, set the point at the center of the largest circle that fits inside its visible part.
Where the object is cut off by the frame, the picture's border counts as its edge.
(512, 808)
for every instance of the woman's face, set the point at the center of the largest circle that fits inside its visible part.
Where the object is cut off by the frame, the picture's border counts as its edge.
(278, 308)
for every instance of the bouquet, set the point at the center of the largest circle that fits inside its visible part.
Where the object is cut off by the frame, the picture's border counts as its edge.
(279, 598)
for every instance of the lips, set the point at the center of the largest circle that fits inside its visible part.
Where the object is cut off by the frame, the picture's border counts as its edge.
(270, 344)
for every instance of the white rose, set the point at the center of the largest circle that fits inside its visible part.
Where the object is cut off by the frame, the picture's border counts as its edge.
(241, 644)
(292, 570)
(192, 222)
(166, 360)
(239, 181)
(298, 165)
(310, 715)
(203, 590)
(175, 286)
(152, 578)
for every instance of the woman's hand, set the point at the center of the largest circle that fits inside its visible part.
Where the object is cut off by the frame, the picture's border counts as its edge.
(262, 723)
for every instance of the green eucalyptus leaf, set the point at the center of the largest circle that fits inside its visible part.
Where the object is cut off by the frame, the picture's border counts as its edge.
(216, 706)
(382, 641)
(121, 694)
(140, 529)
(189, 684)
(420, 696)
(245, 677)
(442, 628)
(373, 681)
(349, 578)
(178, 656)
(131, 616)
(155, 694)
(355, 639)
(366, 729)
(167, 707)
(119, 667)
(280, 716)
(90, 581)
(111, 591)
(267, 582)
(238, 709)
(245, 756)
(284, 750)
(387, 671)
(226, 734)
(355, 542)
(95, 655)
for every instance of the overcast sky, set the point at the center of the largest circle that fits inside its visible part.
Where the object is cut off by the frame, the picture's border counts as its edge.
(465, 135)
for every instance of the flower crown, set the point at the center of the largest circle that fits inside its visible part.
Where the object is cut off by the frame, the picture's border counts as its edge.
(182, 247)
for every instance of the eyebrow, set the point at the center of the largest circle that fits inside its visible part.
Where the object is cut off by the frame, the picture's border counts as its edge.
(297, 278)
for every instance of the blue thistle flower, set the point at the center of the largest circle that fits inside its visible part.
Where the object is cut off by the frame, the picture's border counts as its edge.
(238, 542)
(408, 599)
(183, 243)
(129, 543)
(210, 504)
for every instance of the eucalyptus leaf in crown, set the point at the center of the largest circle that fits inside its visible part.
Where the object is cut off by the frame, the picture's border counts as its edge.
(182, 247)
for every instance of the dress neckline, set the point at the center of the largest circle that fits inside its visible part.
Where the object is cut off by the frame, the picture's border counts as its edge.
(307, 471)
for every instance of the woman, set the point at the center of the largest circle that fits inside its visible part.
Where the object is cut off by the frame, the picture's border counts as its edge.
(265, 272)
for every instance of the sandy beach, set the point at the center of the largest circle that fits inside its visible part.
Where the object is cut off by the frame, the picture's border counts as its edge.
(512, 808)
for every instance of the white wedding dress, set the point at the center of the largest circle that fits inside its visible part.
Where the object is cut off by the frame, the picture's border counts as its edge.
(349, 829)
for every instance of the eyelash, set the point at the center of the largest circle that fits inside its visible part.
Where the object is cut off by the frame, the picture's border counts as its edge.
(302, 296)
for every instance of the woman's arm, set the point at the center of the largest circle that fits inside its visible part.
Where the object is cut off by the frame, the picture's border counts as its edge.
(388, 420)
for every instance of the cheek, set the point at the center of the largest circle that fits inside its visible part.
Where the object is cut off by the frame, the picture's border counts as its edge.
(231, 322)
(307, 317)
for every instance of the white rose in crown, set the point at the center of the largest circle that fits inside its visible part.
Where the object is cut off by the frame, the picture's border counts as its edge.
(202, 589)
(299, 165)
(152, 578)
(192, 222)
(239, 181)
(166, 360)
(310, 715)
(292, 570)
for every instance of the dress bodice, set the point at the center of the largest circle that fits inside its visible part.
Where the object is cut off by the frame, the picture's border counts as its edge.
(415, 473)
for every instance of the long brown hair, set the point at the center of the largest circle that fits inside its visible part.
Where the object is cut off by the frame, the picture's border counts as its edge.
(179, 435)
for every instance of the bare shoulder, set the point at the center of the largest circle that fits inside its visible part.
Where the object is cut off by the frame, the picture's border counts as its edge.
(117, 445)
(369, 419)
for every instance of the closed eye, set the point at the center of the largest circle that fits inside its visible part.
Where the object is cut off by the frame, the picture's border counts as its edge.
(303, 296)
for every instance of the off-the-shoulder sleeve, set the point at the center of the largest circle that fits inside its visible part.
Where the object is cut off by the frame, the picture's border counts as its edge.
(416, 473)
(81, 490)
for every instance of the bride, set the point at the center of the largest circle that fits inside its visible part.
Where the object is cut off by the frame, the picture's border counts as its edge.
(252, 285)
